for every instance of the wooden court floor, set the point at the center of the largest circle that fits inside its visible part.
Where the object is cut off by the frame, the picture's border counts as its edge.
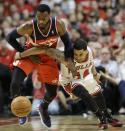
(59, 123)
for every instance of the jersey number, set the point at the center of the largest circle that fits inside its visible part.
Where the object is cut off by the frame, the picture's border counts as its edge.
(85, 73)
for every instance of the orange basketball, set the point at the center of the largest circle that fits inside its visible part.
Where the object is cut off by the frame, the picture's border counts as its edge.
(21, 106)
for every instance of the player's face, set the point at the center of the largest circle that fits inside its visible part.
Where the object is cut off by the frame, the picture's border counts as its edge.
(43, 18)
(80, 55)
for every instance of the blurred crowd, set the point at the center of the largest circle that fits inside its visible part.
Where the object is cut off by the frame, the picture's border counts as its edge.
(101, 23)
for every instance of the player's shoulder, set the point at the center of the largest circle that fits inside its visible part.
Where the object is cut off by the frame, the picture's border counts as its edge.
(25, 28)
(89, 49)
(91, 52)
(60, 22)
(26, 25)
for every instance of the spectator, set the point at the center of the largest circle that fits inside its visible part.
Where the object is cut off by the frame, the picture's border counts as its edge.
(6, 58)
(110, 65)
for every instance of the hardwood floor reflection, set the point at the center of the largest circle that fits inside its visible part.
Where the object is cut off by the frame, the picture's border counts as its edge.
(59, 123)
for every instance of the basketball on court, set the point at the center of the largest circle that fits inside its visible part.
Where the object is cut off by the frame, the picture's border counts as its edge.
(21, 106)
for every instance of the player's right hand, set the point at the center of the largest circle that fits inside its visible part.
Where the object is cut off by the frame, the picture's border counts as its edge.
(35, 59)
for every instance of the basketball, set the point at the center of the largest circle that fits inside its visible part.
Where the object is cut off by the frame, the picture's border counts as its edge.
(21, 106)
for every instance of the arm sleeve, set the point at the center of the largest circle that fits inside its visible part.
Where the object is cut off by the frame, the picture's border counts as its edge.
(68, 47)
(11, 38)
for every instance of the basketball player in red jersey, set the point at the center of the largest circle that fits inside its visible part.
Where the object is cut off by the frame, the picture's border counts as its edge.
(86, 84)
(42, 30)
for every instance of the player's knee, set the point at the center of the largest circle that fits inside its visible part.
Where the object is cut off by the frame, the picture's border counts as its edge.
(50, 96)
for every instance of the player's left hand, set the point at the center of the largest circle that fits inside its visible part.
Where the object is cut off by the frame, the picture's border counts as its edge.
(97, 78)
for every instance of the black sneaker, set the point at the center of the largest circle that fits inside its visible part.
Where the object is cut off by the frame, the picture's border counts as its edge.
(112, 121)
(44, 116)
(22, 120)
(103, 126)
(103, 123)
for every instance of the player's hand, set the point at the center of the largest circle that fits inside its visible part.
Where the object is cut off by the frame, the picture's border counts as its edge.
(97, 78)
(105, 75)
(70, 64)
(17, 56)
(35, 59)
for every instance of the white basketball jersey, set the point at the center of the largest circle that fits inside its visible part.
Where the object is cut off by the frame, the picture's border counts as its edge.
(84, 68)
(84, 75)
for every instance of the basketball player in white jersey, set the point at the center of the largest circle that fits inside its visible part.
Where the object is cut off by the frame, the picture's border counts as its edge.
(86, 84)
(87, 77)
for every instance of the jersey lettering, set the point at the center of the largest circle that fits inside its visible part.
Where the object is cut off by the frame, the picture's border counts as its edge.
(83, 75)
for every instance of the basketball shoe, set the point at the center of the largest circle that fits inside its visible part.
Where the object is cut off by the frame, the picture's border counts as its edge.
(22, 120)
(44, 116)
(114, 122)
(103, 121)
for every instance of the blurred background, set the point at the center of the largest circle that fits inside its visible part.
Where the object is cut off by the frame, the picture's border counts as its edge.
(101, 23)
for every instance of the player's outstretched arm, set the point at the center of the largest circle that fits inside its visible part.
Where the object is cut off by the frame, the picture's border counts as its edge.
(53, 53)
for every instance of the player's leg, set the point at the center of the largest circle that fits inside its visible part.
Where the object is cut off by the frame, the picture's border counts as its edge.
(99, 98)
(18, 77)
(81, 92)
(22, 68)
(51, 92)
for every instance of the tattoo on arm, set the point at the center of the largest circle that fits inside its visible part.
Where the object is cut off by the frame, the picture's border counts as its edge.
(56, 54)
(25, 28)
(61, 28)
